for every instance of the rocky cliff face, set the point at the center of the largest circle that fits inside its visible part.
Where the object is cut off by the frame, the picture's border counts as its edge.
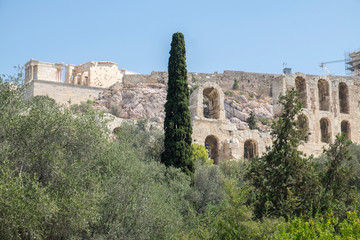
(147, 101)
(140, 101)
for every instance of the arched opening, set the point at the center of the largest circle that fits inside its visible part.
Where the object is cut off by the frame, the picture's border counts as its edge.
(303, 122)
(250, 149)
(345, 128)
(211, 103)
(344, 98)
(325, 130)
(324, 95)
(212, 145)
(300, 86)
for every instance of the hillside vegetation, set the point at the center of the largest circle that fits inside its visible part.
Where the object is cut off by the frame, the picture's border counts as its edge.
(63, 177)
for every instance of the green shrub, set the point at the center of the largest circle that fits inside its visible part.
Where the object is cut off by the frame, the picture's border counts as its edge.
(228, 93)
(328, 227)
(200, 153)
(236, 84)
(193, 88)
(207, 187)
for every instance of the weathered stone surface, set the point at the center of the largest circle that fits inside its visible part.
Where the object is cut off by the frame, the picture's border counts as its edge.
(329, 110)
(142, 101)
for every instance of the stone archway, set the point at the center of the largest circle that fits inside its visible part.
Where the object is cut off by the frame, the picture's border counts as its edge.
(345, 129)
(303, 123)
(211, 103)
(250, 149)
(324, 95)
(325, 129)
(300, 85)
(344, 98)
(212, 145)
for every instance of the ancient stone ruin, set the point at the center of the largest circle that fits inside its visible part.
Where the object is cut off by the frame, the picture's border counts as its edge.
(331, 104)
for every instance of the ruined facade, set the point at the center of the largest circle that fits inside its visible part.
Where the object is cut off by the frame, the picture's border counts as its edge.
(331, 103)
(331, 106)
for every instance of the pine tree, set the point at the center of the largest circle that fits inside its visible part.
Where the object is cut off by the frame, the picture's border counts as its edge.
(177, 125)
(284, 180)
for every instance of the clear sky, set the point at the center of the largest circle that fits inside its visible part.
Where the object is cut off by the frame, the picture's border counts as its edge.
(252, 35)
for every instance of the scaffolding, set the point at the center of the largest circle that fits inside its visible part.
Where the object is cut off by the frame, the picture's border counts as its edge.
(352, 63)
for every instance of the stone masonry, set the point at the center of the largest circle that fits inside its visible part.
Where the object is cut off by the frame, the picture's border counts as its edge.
(331, 103)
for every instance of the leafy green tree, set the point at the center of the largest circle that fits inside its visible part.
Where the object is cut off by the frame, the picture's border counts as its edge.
(284, 179)
(52, 189)
(337, 177)
(251, 121)
(177, 125)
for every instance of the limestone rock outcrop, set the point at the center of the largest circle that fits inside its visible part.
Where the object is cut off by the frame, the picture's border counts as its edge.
(147, 101)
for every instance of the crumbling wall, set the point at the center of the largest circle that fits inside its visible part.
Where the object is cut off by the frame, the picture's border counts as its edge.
(259, 83)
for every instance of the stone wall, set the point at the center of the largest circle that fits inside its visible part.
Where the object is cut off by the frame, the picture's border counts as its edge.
(332, 114)
(331, 103)
(259, 83)
(62, 92)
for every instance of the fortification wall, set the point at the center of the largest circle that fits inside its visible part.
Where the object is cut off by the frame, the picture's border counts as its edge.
(62, 92)
(259, 83)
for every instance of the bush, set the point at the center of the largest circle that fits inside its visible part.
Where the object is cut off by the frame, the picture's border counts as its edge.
(229, 93)
(236, 84)
(200, 153)
(207, 187)
(324, 228)
(193, 88)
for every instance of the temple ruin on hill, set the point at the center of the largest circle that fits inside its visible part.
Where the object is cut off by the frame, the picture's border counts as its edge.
(331, 103)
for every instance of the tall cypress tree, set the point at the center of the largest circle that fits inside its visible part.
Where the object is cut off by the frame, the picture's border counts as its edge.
(177, 123)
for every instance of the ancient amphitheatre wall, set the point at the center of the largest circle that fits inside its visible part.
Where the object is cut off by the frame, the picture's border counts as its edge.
(331, 105)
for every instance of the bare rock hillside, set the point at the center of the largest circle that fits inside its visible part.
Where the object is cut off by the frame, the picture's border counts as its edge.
(147, 101)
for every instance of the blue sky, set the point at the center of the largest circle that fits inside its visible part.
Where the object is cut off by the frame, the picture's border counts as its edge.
(252, 36)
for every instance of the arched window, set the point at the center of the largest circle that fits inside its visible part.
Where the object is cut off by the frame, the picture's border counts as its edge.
(212, 145)
(344, 98)
(250, 149)
(211, 103)
(300, 86)
(325, 130)
(304, 124)
(345, 128)
(324, 95)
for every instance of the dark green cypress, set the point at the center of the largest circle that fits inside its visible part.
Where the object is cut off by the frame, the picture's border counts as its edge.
(177, 125)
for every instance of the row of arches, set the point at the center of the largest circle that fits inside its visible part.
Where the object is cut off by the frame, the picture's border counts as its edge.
(251, 146)
(324, 94)
(212, 145)
(325, 128)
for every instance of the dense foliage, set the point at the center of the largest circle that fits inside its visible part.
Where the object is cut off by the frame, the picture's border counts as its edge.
(64, 176)
(284, 179)
(177, 125)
